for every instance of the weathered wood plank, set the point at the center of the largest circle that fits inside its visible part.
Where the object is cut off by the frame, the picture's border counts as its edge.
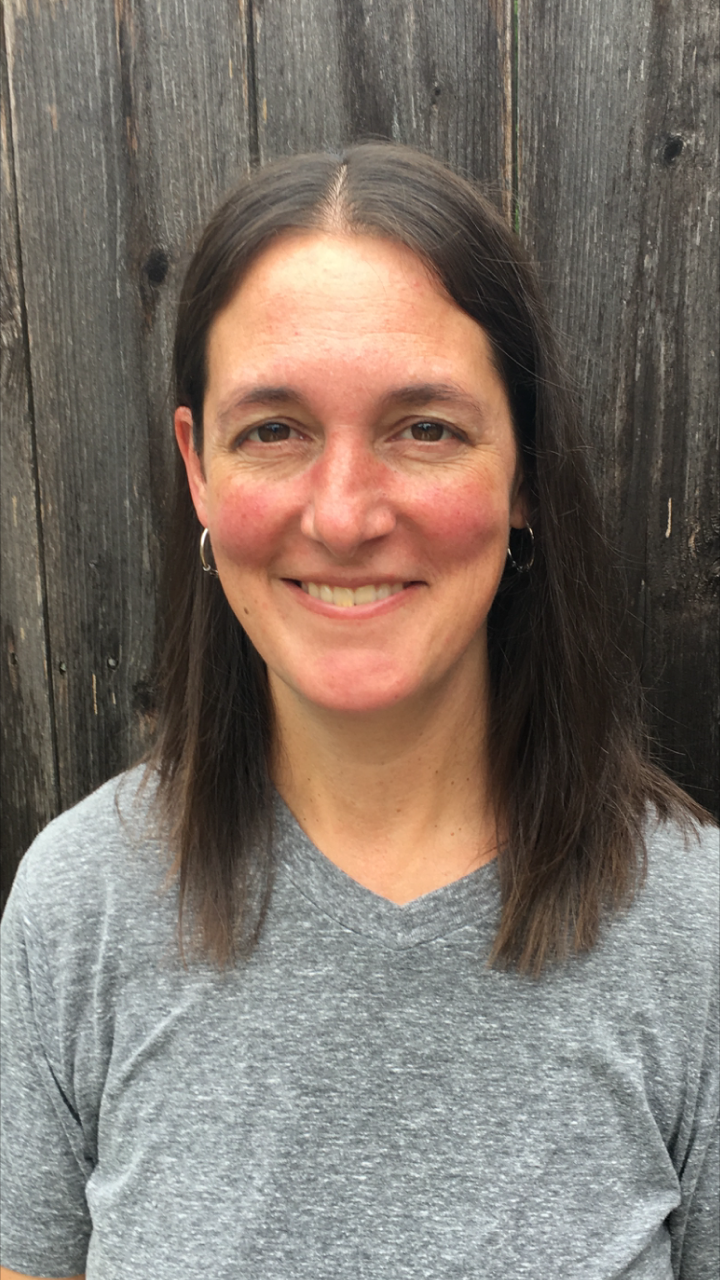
(132, 122)
(29, 796)
(184, 80)
(618, 145)
(91, 421)
(435, 75)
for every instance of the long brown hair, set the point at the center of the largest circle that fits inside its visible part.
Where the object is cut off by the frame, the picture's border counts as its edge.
(567, 748)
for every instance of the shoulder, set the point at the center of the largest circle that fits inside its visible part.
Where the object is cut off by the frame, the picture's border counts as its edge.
(683, 875)
(91, 916)
(98, 858)
(667, 939)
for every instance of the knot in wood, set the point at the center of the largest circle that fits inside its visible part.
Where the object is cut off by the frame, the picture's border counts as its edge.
(672, 147)
(156, 266)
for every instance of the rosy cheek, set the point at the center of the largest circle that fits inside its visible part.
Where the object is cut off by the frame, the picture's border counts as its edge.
(247, 519)
(461, 517)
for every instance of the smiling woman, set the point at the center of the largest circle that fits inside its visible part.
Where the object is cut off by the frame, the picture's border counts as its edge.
(398, 809)
(354, 475)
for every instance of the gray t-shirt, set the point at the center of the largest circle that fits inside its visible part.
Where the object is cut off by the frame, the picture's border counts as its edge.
(364, 1097)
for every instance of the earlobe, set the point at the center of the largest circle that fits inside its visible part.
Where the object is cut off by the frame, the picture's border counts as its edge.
(192, 460)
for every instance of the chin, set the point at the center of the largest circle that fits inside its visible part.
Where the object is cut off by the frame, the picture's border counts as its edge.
(355, 692)
(355, 704)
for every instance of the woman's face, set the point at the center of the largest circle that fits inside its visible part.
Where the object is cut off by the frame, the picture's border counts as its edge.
(359, 473)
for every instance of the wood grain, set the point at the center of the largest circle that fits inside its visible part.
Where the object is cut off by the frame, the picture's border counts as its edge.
(131, 121)
(91, 422)
(434, 75)
(29, 796)
(618, 186)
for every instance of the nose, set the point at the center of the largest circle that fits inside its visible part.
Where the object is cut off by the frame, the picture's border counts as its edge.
(348, 504)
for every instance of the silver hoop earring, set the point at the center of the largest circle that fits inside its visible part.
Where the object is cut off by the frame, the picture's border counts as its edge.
(523, 566)
(207, 567)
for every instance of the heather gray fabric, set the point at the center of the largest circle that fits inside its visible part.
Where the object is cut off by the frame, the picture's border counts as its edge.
(364, 1098)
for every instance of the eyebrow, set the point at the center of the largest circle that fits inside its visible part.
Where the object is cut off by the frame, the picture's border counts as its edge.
(415, 393)
(258, 396)
(426, 392)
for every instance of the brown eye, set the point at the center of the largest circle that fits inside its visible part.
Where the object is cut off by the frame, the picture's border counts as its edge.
(270, 433)
(428, 431)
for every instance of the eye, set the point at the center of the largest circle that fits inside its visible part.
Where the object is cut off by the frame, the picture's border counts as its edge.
(269, 433)
(428, 432)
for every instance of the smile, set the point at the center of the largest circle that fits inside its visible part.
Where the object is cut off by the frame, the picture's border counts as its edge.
(346, 598)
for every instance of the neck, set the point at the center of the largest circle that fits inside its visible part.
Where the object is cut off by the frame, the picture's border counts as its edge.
(399, 799)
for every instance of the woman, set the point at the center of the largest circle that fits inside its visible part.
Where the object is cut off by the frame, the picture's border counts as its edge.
(441, 1004)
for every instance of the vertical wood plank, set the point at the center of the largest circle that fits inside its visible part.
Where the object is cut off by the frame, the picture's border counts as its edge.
(432, 74)
(618, 145)
(29, 796)
(132, 119)
(91, 420)
(184, 78)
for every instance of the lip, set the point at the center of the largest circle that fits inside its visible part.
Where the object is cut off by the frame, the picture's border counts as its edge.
(358, 611)
(352, 583)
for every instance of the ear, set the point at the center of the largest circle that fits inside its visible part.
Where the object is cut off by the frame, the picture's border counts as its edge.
(192, 460)
(519, 505)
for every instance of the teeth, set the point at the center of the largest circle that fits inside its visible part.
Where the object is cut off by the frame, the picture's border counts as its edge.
(345, 598)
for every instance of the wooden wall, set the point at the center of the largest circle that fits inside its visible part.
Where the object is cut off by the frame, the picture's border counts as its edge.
(593, 123)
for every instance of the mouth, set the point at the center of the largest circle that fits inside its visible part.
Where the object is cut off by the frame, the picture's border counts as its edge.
(349, 597)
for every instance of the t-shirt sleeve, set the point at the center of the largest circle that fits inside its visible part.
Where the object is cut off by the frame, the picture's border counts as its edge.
(45, 1225)
(698, 1237)
(695, 1224)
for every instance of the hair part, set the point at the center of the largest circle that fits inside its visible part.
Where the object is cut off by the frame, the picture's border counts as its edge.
(569, 758)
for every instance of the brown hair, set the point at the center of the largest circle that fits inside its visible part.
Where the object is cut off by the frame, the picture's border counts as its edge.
(568, 752)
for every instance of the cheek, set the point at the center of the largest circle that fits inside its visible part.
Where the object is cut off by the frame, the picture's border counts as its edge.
(457, 520)
(248, 521)
(462, 519)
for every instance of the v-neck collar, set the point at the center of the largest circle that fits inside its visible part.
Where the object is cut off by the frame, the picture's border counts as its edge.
(469, 901)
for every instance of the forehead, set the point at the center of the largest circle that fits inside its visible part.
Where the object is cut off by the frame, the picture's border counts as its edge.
(314, 263)
(318, 302)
